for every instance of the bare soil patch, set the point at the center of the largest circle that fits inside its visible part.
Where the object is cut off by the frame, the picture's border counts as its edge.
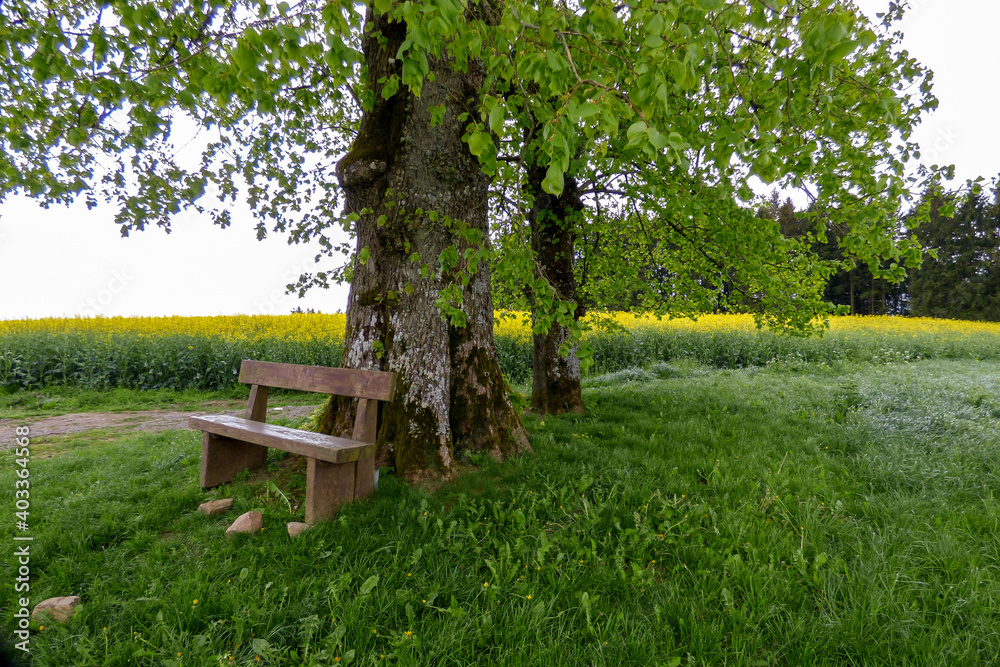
(139, 420)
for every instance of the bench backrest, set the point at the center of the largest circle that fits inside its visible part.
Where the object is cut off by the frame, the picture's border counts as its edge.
(377, 385)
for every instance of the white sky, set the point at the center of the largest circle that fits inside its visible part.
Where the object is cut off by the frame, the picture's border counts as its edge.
(70, 261)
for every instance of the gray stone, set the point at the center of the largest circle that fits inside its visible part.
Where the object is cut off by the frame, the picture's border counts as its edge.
(216, 507)
(296, 527)
(251, 522)
(56, 609)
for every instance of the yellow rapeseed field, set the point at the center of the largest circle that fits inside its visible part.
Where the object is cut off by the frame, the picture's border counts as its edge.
(295, 328)
(513, 324)
(317, 326)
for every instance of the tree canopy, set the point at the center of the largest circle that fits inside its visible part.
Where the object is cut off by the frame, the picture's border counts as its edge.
(674, 105)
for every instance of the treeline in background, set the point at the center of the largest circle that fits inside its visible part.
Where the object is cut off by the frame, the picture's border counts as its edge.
(960, 279)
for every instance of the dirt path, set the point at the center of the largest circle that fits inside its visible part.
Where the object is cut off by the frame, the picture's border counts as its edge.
(140, 420)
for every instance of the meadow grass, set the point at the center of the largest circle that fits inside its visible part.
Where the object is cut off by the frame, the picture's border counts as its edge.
(802, 514)
(63, 399)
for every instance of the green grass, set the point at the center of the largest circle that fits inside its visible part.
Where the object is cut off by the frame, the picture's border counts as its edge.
(60, 400)
(787, 515)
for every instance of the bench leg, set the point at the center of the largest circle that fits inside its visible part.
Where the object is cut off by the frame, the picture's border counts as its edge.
(364, 478)
(223, 458)
(328, 486)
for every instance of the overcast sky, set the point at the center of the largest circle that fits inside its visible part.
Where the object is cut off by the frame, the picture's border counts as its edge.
(66, 262)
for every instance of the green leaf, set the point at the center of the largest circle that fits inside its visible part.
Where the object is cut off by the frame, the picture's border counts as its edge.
(653, 31)
(658, 140)
(437, 114)
(711, 5)
(479, 142)
(370, 583)
(553, 181)
(496, 118)
(843, 49)
(635, 132)
(587, 109)
(382, 6)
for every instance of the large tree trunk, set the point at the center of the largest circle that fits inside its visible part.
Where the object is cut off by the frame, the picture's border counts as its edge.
(452, 397)
(555, 385)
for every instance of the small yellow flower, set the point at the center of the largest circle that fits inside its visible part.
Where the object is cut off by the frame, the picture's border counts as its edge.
(195, 601)
(178, 654)
(486, 584)
(337, 659)
(529, 597)
(409, 574)
(41, 627)
(409, 633)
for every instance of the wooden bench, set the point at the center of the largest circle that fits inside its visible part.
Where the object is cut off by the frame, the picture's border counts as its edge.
(338, 469)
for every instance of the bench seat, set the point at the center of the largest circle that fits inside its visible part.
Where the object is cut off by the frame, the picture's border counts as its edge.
(305, 443)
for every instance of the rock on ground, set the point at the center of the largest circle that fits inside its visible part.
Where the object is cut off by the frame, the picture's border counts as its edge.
(297, 527)
(251, 522)
(56, 609)
(216, 507)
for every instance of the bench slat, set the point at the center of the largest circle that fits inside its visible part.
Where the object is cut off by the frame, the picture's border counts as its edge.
(306, 443)
(340, 381)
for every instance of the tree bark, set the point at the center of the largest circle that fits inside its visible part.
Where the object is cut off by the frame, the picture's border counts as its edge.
(451, 397)
(851, 275)
(556, 384)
